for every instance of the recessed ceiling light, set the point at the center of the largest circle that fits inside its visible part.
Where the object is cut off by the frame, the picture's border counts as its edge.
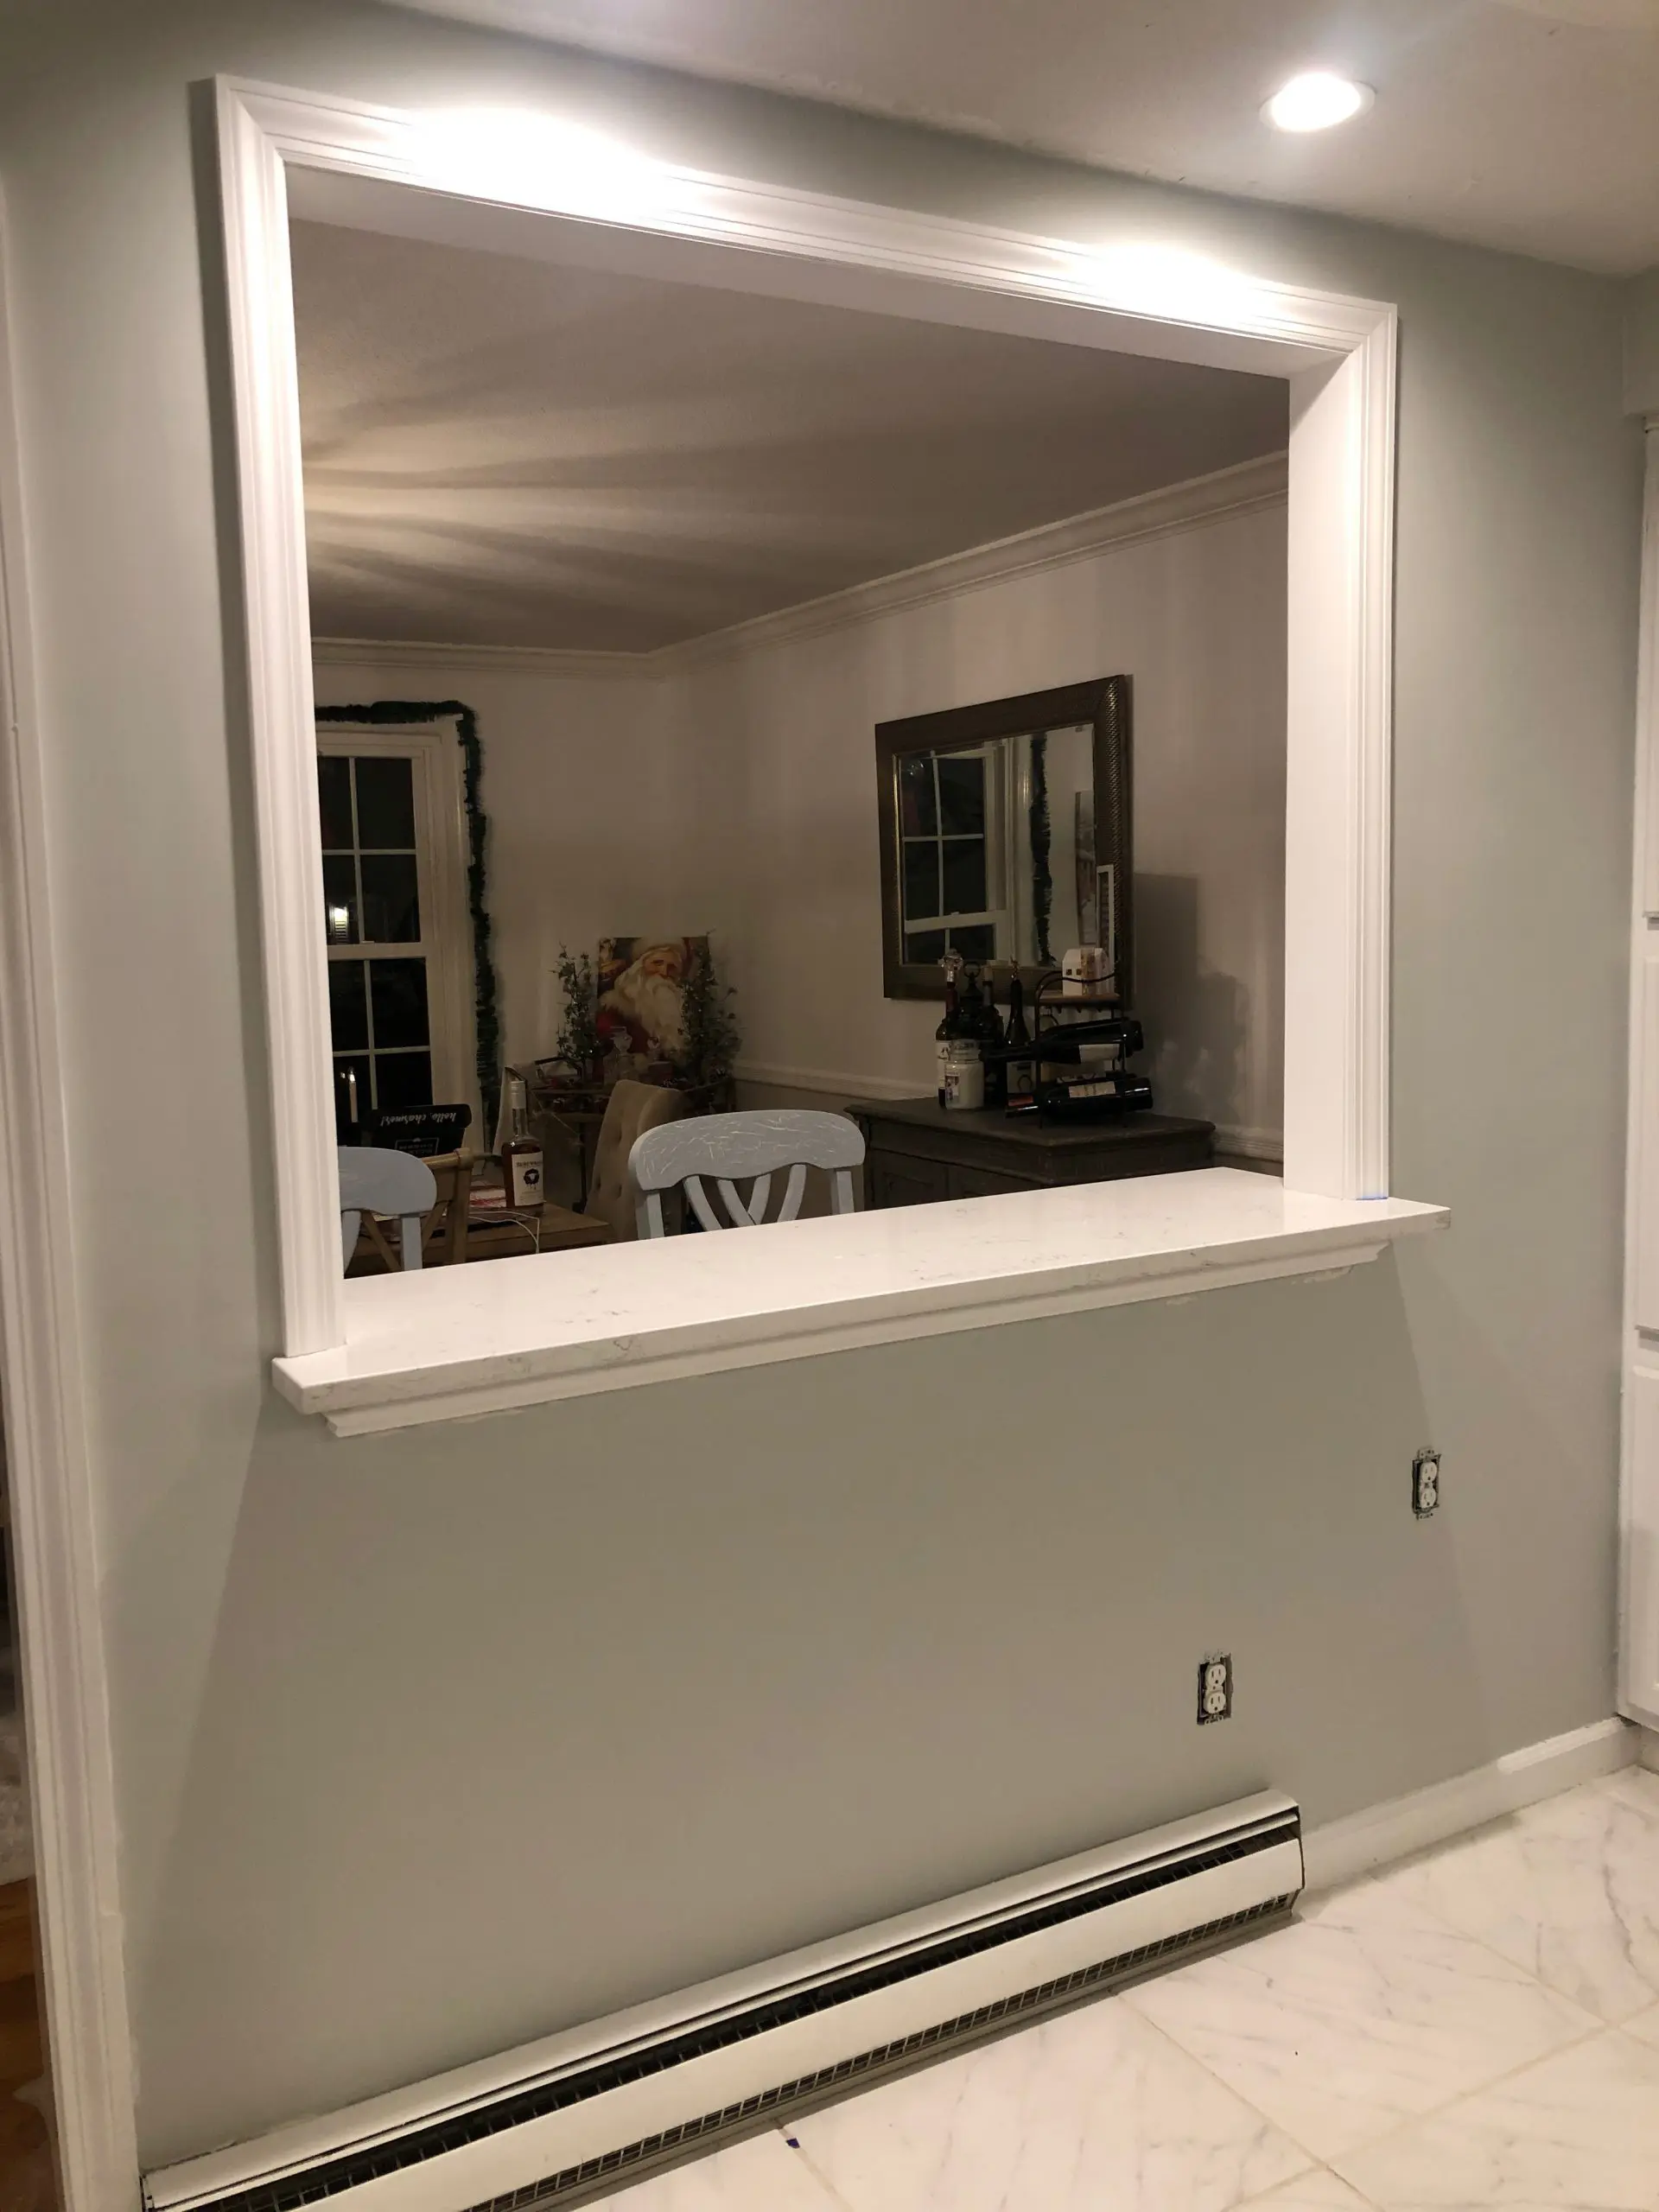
(1316, 101)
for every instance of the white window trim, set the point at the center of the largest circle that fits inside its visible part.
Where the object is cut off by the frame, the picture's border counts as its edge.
(1338, 354)
(446, 921)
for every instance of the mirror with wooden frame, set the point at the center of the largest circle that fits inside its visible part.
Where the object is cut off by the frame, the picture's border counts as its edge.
(1006, 836)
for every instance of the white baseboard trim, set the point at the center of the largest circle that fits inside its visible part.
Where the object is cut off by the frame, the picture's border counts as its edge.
(1344, 1849)
(827, 1081)
(1647, 1750)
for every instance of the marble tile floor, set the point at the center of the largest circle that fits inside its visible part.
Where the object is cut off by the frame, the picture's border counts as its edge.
(1478, 2026)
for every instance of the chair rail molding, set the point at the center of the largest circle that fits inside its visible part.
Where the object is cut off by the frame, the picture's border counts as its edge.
(72, 1789)
(463, 183)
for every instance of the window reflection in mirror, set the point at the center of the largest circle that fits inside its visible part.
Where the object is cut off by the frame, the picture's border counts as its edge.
(997, 855)
(1006, 832)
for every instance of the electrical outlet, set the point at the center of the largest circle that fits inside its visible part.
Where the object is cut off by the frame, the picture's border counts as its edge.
(1426, 1485)
(1215, 1687)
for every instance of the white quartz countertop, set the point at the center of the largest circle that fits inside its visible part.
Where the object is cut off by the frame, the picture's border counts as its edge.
(453, 1341)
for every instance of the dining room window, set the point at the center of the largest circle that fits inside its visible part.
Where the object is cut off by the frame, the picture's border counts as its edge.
(390, 929)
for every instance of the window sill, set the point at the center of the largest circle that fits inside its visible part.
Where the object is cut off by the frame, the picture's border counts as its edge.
(452, 1342)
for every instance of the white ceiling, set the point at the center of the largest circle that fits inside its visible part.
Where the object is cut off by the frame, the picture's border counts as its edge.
(505, 451)
(1527, 125)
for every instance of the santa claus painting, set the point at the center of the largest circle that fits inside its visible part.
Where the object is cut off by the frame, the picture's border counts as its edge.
(640, 980)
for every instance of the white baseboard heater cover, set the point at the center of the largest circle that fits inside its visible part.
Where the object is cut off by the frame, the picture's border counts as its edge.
(557, 2120)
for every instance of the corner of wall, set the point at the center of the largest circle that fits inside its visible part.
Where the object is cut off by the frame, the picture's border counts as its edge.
(1642, 345)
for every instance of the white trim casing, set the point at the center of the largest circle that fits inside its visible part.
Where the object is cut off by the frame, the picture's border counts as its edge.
(54, 1551)
(260, 280)
(1337, 781)
(1638, 1629)
(1338, 352)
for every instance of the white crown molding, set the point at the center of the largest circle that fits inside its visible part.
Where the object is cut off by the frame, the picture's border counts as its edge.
(1201, 501)
(369, 653)
(1194, 504)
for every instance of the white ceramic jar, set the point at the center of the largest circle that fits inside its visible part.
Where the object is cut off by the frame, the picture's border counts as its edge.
(962, 1074)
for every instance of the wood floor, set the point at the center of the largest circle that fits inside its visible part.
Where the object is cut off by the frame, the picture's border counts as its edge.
(26, 2179)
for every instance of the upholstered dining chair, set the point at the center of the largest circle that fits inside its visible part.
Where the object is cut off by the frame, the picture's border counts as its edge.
(375, 1181)
(607, 1217)
(732, 1148)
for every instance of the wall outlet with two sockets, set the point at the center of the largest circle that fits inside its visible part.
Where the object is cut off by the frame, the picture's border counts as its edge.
(1426, 1483)
(1215, 1687)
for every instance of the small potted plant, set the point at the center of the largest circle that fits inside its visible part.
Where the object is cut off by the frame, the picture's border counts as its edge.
(710, 1039)
(580, 1045)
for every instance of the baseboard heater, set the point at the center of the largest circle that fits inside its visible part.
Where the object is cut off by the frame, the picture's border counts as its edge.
(557, 2120)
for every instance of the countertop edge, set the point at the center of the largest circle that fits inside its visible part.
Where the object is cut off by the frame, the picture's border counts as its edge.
(410, 1389)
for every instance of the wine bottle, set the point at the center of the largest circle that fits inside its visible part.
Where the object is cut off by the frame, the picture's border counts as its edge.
(1019, 1073)
(990, 1046)
(521, 1155)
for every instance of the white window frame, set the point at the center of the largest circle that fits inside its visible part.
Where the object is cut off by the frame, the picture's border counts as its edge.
(992, 836)
(349, 1352)
(446, 943)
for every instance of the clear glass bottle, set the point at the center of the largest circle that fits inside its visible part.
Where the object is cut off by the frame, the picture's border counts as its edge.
(949, 1029)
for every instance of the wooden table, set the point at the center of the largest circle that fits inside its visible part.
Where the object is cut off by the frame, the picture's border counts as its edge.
(918, 1151)
(497, 1235)
(553, 1228)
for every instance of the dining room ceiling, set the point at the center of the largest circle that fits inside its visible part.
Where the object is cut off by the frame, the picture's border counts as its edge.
(507, 452)
(1530, 125)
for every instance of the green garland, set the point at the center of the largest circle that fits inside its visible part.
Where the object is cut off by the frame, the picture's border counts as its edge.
(488, 1025)
(1042, 876)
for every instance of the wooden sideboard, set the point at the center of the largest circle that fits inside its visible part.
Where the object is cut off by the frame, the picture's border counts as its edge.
(918, 1153)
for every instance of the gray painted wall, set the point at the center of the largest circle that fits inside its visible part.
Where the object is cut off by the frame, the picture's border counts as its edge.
(427, 1743)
